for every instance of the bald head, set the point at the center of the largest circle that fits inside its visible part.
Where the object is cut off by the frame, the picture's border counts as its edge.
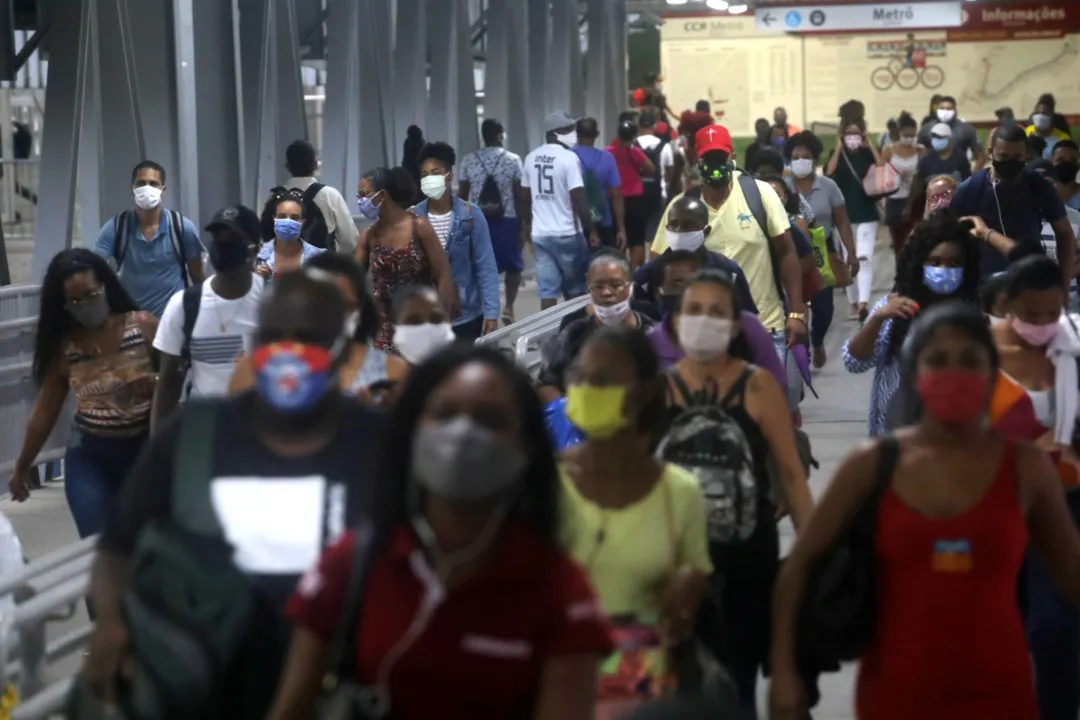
(688, 214)
(304, 306)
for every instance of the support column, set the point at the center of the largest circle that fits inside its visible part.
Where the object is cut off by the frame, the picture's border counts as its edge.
(599, 80)
(283, 102)
(341, 113)
(410, 66)
(88, 172)
(538, 12)
(509, 97)
(380, 30)
(468, 134)
(616, 24)
(564, 59)
(253, 36)
(452, 104)
(496, 72)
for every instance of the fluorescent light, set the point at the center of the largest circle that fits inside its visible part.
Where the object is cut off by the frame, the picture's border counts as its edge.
(717, 4)
(677, 2)
(737, 9)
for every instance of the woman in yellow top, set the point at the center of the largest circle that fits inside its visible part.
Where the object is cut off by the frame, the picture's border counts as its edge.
(636, 525)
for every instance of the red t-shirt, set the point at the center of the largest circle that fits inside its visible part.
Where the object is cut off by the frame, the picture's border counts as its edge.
(484, 642)
(629, 161)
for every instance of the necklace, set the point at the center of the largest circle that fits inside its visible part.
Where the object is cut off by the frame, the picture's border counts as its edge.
(223, 322)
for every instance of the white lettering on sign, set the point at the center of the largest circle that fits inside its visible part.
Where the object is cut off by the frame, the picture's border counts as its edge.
(893, 15)
(1040, 14)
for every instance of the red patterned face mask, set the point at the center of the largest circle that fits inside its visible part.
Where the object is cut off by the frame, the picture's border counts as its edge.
(954, 397)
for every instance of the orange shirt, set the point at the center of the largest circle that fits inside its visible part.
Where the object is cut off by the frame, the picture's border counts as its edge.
(1012, 415)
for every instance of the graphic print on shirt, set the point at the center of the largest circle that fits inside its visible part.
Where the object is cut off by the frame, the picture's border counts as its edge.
(951, 556)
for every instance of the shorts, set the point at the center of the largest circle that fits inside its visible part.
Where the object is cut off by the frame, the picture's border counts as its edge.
(505, 242)
(561, 264)
(638, 209)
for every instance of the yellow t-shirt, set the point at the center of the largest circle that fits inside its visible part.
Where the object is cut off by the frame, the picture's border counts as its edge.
(1054, 133)
(628, 553)
(735, 232)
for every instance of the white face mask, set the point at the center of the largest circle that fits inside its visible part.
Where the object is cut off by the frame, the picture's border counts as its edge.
(853, 142)
(702, 337)
(945, 115)
(909, 141)
(417, 343)
(147, 197)
(434, 186)
(996, 320)
(802, 167)
(612, 314)
(569, 139)
(691, 240)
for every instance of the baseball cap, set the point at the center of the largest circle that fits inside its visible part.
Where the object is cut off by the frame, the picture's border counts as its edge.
(941, 130)
(558, 120)
(712, 137)
(241, 220)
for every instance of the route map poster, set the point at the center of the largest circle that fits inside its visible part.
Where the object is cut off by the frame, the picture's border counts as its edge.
(1004, 55)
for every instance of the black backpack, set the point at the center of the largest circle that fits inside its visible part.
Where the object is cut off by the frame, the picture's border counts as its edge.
(315, 230)
(654, 183)
(706, 441)
(490, 199)
(191, 302)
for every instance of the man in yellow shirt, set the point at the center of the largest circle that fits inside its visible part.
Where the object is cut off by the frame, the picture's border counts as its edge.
(1042, 124)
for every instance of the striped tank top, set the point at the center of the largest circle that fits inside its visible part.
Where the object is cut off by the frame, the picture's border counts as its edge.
(113, 393)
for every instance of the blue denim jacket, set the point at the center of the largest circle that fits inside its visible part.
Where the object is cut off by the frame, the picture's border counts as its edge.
(472, 261)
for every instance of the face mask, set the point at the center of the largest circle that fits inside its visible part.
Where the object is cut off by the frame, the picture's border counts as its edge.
(292, 377)
(1041, 122)
(596, 410)
(434, 186)
(945, 116)
(691, 240)
(91, 314)
(612, 314)
(802, 167)
(938, 203)
(146, 197)
(778, 142)
(702, 337)
(1008, 170)
(286, 229)
(569, 139)
(942, 280)
(853, 142)
(954, 397)
(908, 141)
(939, 144)
(368, 208)
(1066, 172)
(1034, 335)
(352, 321)
(228, 255)
(994, 321)
(417, 343)
(718, 176)
(465, 462)
(668, 303)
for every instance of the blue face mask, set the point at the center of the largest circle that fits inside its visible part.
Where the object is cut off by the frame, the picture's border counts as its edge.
(367, 208)
(939, 144)
(943, 280)
(778, 142)
(292, 377)
(286, 229)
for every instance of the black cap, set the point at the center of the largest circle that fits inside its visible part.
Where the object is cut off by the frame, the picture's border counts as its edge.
(239, 219)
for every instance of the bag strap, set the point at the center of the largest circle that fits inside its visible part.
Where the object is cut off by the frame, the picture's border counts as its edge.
(311, 191)
(738, 388)
(193, 469)
(191, 302)
(176, 234)
(342, 659)
(121, 225)
(752, 193)
(682, 388)
(890, 455)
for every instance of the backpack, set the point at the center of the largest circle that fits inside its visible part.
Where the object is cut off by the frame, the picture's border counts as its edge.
(653, 183)
(121, 225)
(190, 302)
(705, 440)
(594, 195)
(315, 231)
(490, 199)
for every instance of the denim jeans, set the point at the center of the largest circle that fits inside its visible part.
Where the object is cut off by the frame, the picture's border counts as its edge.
(794, 377)
(96, 468)
(561, 265)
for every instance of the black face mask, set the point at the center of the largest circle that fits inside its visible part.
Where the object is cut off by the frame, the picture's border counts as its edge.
(227, 255)
(1066, 172)
(1008, 170)
(717, 176)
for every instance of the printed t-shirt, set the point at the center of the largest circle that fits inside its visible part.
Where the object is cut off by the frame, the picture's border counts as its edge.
(551, 172)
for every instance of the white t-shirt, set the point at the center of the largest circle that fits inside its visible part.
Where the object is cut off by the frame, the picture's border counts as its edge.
(667, 157)
(1049, 242)
(223, 330)
(551, 172)
(441, 225)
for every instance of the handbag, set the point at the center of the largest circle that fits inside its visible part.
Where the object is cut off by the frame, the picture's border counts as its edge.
(880, 180)
(839, 612)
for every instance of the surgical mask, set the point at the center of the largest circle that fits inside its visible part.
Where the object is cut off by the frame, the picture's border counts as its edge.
(434, 186)
(939, 144)
(1032, 334)
(612, 314)
(597, 410)
(228, 255)
(938, 203)
(995, 321)
(945, 116)
(907, 140)
(293, 377)
(778, 142)
(569, 139)
(802, 167)
(853, 142)
(704, 338)
(1007, 170)
(90, 313)
(953, 396)
(462, 461)
(352, 321)
(147, 197)
(368, 208)
(690, 240)
(1066, 172)
(417, 343)
(287, 229)
(1041, 121)
(943, 280)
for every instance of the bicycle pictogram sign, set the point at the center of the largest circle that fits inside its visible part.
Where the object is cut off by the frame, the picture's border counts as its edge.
(908, 71)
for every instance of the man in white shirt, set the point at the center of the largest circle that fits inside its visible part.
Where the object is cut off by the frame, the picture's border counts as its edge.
(301, 162)
(1049, 243)
(555, 213)
(206, 327)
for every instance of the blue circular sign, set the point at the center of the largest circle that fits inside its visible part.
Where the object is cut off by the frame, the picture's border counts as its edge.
(793, 18)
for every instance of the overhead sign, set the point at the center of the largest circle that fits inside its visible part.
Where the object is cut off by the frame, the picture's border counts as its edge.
(845, 18)
(1000, 21)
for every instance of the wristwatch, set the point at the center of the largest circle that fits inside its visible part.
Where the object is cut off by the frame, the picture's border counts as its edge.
(801, 317)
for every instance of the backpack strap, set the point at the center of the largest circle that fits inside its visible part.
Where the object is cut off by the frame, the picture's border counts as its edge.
(890, 455)
(682, 388)
(193, 469)
(342, 660)
(311, 191)
(191, 302)
(176, 234)
(752, 193)
(121, 228)
(738, 388)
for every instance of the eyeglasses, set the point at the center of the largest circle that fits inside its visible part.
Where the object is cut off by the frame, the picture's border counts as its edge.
(87, 298)
(616, 287)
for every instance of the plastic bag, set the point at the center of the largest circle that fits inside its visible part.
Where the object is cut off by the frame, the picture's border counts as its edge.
(563, 433)
(11, 558)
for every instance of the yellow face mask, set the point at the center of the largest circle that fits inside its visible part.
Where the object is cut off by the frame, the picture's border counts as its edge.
(596, 410)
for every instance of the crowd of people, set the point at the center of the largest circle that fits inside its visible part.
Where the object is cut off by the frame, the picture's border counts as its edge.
(317, 495)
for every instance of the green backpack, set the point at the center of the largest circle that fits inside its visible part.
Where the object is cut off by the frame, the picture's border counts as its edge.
(594, 195)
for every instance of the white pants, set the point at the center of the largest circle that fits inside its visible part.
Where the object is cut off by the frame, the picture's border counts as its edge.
(865, 240)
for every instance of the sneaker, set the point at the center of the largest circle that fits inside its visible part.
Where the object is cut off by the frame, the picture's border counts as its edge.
(819, 357)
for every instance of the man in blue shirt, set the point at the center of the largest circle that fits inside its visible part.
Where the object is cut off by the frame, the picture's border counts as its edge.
(598, 166)
(156, 254)
(1015, 201)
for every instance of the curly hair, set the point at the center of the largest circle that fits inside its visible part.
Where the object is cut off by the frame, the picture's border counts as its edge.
(906, 120)
(804, 139)
(940, 227)
(853, 112)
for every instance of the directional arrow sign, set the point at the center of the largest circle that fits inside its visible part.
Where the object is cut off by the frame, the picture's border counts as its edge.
(843, 18)
(767, 19)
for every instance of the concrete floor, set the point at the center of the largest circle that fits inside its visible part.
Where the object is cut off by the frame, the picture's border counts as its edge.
(835, 423)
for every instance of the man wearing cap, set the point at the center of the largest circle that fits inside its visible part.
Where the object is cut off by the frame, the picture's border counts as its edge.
(555, 214)
(965, 138)
(207, 326)
(766, 254)
(944, 158)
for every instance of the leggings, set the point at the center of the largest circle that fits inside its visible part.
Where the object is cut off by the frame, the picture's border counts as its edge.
(865, 240)
(821, 315)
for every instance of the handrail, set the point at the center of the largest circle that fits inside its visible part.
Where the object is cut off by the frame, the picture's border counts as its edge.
(44, 564)
(511, 332)
(45, 703)
(38, 608)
